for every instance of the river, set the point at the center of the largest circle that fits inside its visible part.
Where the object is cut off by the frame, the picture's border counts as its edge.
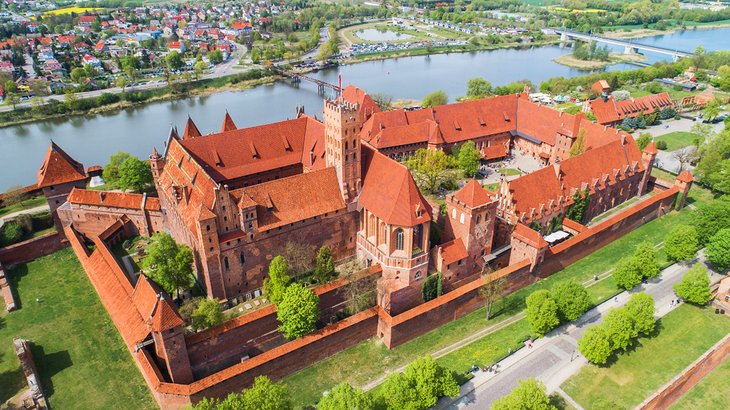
(91, 139)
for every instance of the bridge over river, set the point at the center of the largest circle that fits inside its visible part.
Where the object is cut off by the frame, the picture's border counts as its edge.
(629, 46)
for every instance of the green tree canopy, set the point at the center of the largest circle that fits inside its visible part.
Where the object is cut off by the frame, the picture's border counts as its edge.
(207, 314)
(134, 174)
(644, 139)
(434, 99)
(324, 268)
(430, 168)
(572, 299)
(710, 218)
(542, 312)
(275, 285)
(469, 158)
(579, 145)
(215, 56)
(594, 345)
(529, 394)
(343, 396)
(478, 88)
(645, 256)
(111, 170)
(432, 287)
(718, 250)
(641, 309)
(619, 327)
(681, 243)
(298, 311)
(627, 273)
(174, 60)
(266, 395)
(419, 387)
(695, 286)
(78, 74)
(168, 263)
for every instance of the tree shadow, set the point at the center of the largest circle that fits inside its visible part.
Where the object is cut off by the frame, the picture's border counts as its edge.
(12, 382)
(14, 276)
(48, 365)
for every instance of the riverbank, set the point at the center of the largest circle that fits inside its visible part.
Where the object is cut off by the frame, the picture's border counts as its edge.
(614, 58)
(131, 99)
(424, 51)
(640, 32)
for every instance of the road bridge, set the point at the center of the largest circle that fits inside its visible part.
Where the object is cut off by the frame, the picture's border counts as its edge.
(629, 46)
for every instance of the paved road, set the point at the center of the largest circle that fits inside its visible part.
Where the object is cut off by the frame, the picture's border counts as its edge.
(554, 358)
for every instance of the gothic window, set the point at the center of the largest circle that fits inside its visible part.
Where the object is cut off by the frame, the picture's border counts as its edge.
(225, 263)
(399, 238)
(242, 258)
(479, 218)
(453, 214)
(461, 218)
(345, 144)
(417, 236)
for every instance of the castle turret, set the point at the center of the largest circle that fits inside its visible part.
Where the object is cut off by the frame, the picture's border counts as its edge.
(647, 159)
(683, 182)
(342, 125)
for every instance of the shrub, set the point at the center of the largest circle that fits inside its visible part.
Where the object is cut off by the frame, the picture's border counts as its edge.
(661, 145)
(11, 233)
(42, 220)
(432, 287)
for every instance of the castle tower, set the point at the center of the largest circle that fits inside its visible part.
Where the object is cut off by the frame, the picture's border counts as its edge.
(156, 163)
(342, 142)
(683, 182)
(647, 159)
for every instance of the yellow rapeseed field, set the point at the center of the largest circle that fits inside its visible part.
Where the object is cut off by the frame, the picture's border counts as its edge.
(68, 10)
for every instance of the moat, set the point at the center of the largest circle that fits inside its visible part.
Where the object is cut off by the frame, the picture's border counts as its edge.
(92, 139)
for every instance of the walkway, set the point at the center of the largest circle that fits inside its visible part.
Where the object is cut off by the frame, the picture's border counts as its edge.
(554, 358)
(21, 212)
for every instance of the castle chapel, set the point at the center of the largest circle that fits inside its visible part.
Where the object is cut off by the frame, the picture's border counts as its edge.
(236, 197)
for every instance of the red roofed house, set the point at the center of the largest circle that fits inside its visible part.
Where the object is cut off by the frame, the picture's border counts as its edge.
(58, 176)
(608, 111)
(601, 87)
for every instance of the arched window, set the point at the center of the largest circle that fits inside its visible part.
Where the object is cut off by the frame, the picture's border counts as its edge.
(453, 214)
(345, 143)
(417, 236)
(225, 263)
(417, 275)
(242, 258)
(461, 218)
(479, 218)
(399, 238)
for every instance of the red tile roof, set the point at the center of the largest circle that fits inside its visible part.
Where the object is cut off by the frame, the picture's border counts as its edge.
(529, 236)
(247, 151)
(453, 251)
(685, 176)
(59, 168)
(368, 107)
(651, 148)
(610, 111)
(473, 195)
(495, 151)
(293, 199)
(390, 192)
(228, 124)
(191, 130)
(113, 199)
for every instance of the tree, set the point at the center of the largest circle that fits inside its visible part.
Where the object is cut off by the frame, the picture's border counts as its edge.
(324, 267)
(122, 82)
(478, 88)
(529, 394)
(383, 101)
(134, 174)
(343, 396)
(641, 309)
(581, 200)
(168, 263)
(579, 145)
(694, 286)
(277, 282)
(71, 100)
(78, 74)
(627, 273)
(684, 156)
(469, 158)
(434, 99)
(13, 195)
(429, 168)
(542, 312)
(571, 298)
(432, 287)
(712, 109)
(718, 250)
(594, 345)
(111, 170)
(681, 243)
(38, 87)
(643, 140)
(298, 311)
(419, 387)
(199, 68)
(174, 60)
(299, 257)
(215, 56)
(492, 291)
(11, 233)
(709, 218)
(358, 293)
(266, 395)
(207, 314)
(645, 256)
(619, 328)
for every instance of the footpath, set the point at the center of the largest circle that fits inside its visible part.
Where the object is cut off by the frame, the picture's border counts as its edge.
(21, 212)
(555, 357)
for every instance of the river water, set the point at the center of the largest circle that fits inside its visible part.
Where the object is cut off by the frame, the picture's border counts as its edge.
(91, 139)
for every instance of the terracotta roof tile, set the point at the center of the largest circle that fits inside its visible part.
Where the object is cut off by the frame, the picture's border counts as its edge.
(609, 110)
(112, 199)
(191, 130)
(453, 251)
(685, 176)
(228, 124)
(59, 168)
(473, 195)
(651, 148)
(368, 107)
(529, 236)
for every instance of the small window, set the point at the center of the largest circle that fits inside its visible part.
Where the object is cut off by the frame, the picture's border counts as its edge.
(417, 275)
(453, 214)
(207, 227)
(479, 218)
(225, 263)
(461, 218)
(242, 258)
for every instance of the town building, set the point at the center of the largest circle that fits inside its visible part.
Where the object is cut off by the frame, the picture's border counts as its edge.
(610, 112)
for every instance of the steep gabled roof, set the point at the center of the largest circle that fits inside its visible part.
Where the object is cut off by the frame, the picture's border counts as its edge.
(368, 107)
(59, 168)
(228, 124)
(390, 192)
(529, 236)
(191, 130)
(453, 251)
(473, 195)
(154, 306)
(685, 176)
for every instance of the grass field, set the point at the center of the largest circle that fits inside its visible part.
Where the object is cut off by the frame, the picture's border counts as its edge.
(677, 139)
(366, 361)
(27, 204)
(80, 356)
(709, 393)
(683, 336)
(697, 195)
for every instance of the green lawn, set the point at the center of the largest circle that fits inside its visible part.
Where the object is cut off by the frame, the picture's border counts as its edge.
(365, 362)
(697, 195)
(79, 354)
(509, 171)
(27, 204)
(684, 335)
(677, 139)
(710, 392)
